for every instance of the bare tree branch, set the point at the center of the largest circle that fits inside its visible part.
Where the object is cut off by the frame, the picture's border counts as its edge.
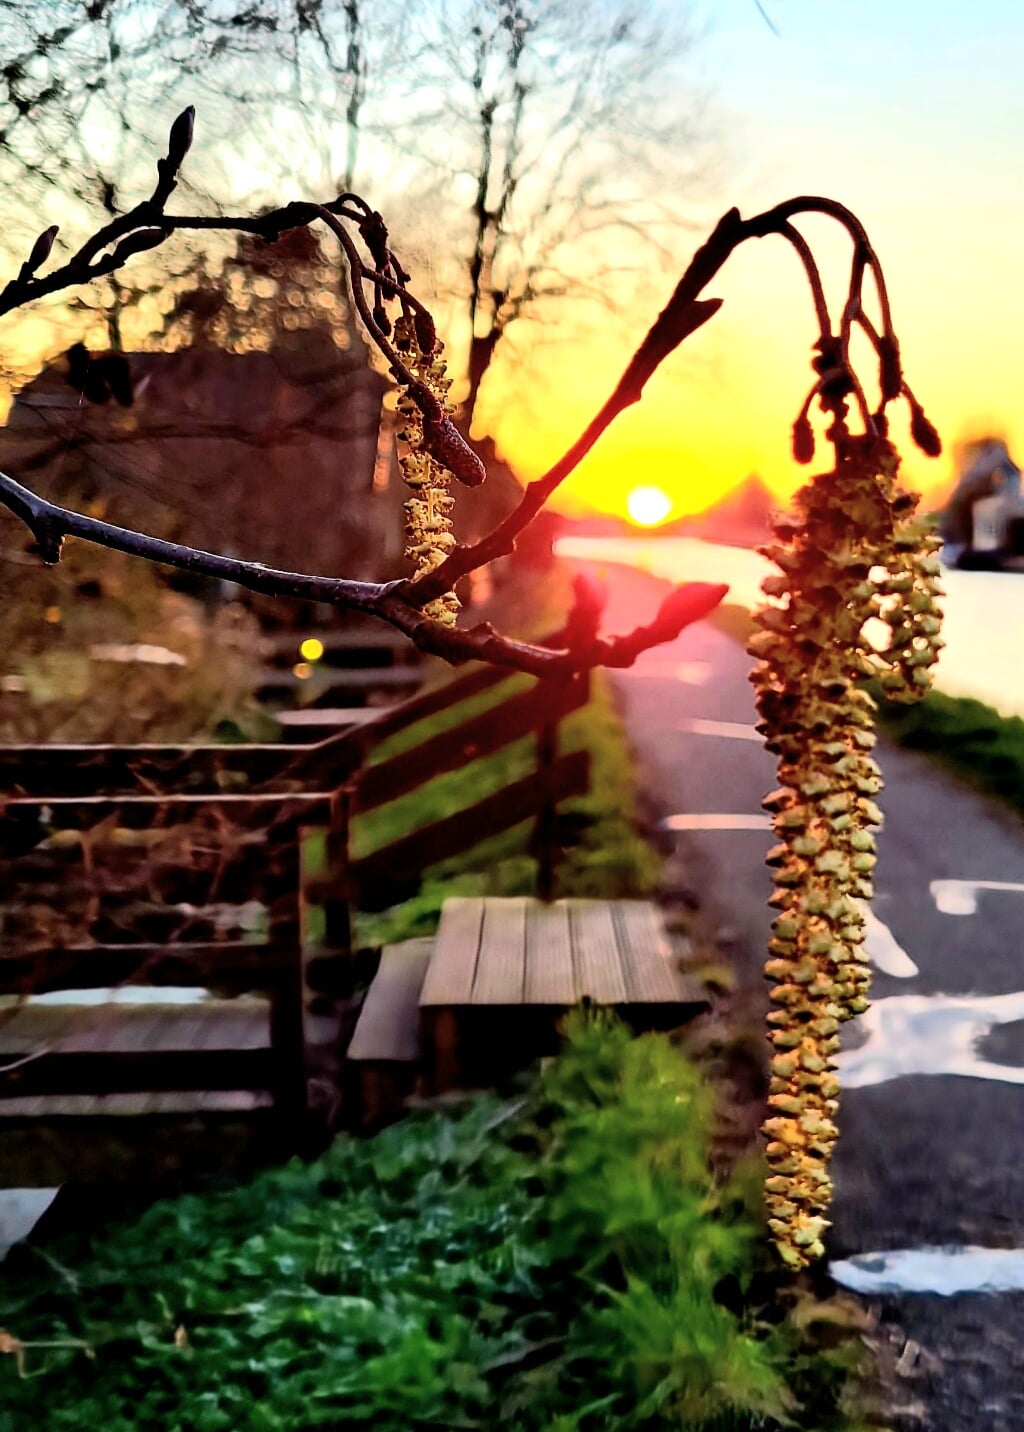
(401, 603)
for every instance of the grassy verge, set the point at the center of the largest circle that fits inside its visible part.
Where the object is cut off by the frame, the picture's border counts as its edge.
(976, 743)
(609, 857)
(968, 738)
(564, 1262)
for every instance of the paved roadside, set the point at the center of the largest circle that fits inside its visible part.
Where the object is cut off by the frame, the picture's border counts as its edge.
(930, 1166)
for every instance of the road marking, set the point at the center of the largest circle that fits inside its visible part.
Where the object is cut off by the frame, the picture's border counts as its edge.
(732, 730)
(883, 948)
(959, 897)
(716, 822)
(930, 1034)
(946, 1271)
(20, 1211)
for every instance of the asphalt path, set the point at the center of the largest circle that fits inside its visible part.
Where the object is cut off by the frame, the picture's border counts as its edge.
(929, 1170)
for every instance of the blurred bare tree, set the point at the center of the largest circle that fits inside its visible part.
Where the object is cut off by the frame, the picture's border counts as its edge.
(525, 135)
(561, 126)
(287, 78)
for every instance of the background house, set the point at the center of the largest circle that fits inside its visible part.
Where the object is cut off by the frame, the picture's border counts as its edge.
(273, 456)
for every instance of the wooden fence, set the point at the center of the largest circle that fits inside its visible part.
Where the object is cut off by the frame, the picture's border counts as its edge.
(183, 866)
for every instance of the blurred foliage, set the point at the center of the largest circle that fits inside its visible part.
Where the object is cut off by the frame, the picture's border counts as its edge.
(72, 669)
(562, 1262)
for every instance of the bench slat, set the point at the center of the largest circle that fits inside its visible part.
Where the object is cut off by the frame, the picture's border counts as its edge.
(453, 966)
(388, 1029)
(646, 954)
(550, 973)
(598, 966)
(501, 965)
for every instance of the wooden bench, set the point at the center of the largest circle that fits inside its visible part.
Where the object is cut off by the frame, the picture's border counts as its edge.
(502, 970)
(386, 1051)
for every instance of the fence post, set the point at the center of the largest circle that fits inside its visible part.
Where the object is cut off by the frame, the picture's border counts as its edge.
(544, 826)
(288, 1001)
(338, 901)
(546, 846)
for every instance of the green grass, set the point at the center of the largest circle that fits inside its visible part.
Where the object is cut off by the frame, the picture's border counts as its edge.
(968, 738)
(563, 1262)
(610, 859)
(976, 743)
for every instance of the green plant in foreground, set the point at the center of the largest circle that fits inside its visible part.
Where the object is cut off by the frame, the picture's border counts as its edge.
(852, 552)
(558, 1262)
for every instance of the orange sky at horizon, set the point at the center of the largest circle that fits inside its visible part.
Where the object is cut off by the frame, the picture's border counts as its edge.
(721, 407)
(857, 107)
(929, 180)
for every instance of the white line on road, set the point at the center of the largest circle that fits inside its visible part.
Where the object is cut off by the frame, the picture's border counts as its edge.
(883, 948)
(20, 1211)
(959, 897)
(945, 1271)
(732, 730)
(930, 1034)
(716, 822)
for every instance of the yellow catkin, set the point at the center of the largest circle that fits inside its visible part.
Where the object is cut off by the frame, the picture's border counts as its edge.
(852, 551)
(428, 523)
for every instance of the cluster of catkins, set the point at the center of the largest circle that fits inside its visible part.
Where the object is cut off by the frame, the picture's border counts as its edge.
(853, 550)
(428, 523)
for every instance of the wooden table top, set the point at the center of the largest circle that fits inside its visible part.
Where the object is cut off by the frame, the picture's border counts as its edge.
(513, 951)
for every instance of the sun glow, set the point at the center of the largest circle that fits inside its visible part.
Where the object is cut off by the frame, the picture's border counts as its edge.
(647, 506)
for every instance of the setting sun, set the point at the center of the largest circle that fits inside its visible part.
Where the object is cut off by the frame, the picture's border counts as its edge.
(647, 506)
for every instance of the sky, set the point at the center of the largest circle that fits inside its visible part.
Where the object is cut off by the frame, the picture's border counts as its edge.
(911, 114)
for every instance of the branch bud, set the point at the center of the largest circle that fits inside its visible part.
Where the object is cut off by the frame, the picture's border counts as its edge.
(924, 432)
(687, 604)
(803, 439)
(375, 237)
(890, 373)
(179, 141)
(446, 445)
(426, 333)
(40, 250)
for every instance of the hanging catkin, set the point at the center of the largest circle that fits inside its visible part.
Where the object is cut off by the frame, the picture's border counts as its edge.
(854, 550)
